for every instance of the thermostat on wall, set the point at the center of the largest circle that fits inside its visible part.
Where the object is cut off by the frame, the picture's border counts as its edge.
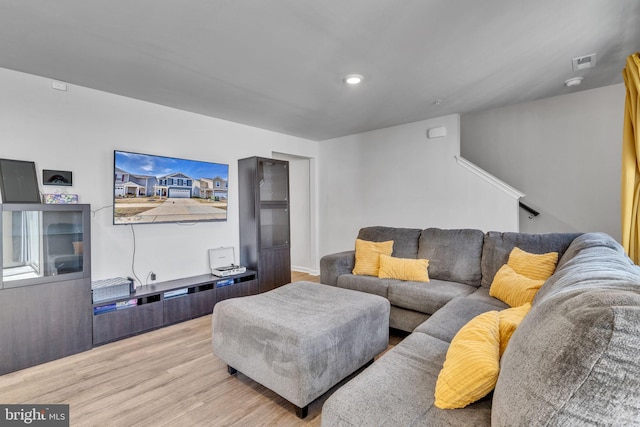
(438, 132)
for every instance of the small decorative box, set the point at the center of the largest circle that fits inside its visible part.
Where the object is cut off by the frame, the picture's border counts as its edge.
(57, 198)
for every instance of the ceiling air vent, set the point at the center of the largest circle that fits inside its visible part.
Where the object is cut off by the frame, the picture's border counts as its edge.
(584, 62)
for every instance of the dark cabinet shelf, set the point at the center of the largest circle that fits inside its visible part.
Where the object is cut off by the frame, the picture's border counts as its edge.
(154, 306)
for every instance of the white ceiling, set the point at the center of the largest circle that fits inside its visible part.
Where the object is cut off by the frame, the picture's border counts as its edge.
(279, 64)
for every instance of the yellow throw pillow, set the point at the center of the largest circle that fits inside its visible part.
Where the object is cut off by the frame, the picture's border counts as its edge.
(513, 288)
(403, 268)
(368, 256)
(533, 266)
(510, 319)
(472, 364)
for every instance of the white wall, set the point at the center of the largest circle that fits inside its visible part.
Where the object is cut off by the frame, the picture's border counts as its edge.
(78, 130)
(397, 177)
(393, 176)
(563, 152)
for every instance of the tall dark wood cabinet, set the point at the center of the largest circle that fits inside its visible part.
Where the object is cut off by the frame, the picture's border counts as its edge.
(264, 220)
(45, 289)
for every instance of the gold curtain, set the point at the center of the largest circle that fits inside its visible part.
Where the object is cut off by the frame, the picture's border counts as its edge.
(631, 160)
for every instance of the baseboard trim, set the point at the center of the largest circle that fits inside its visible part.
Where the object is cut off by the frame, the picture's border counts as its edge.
(306, 270)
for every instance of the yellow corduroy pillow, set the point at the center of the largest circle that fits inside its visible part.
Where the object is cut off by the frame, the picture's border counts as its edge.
(414, 270)
(510, 319)
(368, 256)
(518, 281)
(513, 288)
(533, 266)
(472, 364)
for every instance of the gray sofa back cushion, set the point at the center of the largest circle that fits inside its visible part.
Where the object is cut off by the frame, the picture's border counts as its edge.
(573, 361)
(592, 261)
(405, 240)
(593, 240)
(498, 246)
(454, 255)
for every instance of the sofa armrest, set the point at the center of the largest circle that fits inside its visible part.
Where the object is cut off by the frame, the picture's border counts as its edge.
(334, 265)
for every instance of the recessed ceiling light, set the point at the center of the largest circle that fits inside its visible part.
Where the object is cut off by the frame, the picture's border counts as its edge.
(353, 79)
(575, 81)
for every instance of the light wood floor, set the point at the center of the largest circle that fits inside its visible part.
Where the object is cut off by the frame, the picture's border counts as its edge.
(167, 377)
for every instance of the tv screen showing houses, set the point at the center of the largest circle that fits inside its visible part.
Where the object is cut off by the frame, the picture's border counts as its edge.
(155, 189)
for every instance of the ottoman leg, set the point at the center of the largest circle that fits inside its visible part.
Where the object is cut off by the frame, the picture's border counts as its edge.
(302, 412)
(231, 370)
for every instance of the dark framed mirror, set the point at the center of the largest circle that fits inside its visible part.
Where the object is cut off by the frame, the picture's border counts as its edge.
(18, 181)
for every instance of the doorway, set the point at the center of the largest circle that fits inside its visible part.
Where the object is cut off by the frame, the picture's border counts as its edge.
(303, 223)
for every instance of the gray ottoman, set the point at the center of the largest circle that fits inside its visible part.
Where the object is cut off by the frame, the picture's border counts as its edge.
(301, 339)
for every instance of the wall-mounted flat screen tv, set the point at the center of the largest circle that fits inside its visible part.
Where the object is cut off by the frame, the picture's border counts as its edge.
(156, 189)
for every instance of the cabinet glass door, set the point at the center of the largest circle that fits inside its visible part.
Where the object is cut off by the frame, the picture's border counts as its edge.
(273, 180)
(274, 227)
(39, 243)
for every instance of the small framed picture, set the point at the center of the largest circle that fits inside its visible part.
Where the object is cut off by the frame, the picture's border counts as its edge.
(51, 177)
(19, 182)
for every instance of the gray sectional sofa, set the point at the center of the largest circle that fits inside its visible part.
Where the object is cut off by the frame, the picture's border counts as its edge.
(574, 359)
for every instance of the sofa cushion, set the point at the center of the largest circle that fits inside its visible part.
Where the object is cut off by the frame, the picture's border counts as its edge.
(368, 256)
(454, 255)
(593, 260)
(573, 360)
(482, 294)
(447, 321)
(497, 247)
(472, 364)
(398, 389)
(369, 284)
(403, 268)
(406, 320)
(593, 240)
(425, 297)
(405, 240)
